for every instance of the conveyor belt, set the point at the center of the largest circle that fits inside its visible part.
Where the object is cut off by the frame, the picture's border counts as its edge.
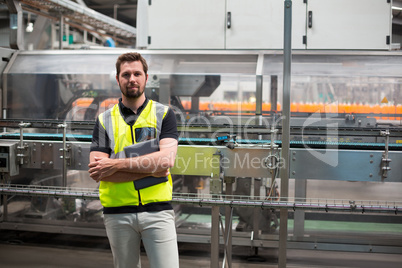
(297, 144)
(209, 141)
(46, 136)
(336, 205)
(374, 131)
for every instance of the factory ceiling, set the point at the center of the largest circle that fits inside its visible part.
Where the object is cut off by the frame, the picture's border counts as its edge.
(78, 15)
(122, 10)
(125, 11)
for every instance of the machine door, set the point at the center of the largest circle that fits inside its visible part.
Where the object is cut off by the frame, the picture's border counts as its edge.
(348, 24)
(186, 24)
(259, 24)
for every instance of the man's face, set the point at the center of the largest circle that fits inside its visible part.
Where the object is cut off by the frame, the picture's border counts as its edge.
(132, 79)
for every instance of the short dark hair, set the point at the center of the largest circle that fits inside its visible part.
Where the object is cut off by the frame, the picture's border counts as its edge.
(129, 57)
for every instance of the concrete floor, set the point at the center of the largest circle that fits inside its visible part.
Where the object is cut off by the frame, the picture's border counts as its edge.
(39, 250)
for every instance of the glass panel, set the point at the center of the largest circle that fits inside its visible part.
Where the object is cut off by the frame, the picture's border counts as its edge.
(366, 85)
(202, 64)
(333, 93)
(66, 63)
(78, 85)
(78, 62)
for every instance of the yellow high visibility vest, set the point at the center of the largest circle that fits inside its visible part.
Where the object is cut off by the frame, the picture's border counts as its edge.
(121, 134)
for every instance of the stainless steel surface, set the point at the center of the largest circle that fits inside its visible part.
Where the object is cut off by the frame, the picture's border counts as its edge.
(349, 165)
(8, 150)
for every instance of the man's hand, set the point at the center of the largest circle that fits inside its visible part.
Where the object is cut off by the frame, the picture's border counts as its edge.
(102, 167)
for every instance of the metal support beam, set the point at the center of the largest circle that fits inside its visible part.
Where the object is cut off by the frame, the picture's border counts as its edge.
(61, 31)
(274, 93)
(299, 215)
(214, 237)
(64, 154)
(4, 95)
(287, 58)
(259, 81)
(4, 181)
(16, 25)
(228, 221)
(215, 190)
(195, 104)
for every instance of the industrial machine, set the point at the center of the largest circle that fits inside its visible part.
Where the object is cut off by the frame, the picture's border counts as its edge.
(345, 149)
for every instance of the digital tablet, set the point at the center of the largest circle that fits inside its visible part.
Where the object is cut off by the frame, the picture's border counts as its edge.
(140, 149)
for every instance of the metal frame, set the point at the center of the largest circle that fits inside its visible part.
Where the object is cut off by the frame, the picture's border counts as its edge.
(4, 89)
(16, 31)
(221, 200)
(117, 52)
(216, 201)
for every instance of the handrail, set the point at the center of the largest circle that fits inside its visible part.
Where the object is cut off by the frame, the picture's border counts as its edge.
(318, 204)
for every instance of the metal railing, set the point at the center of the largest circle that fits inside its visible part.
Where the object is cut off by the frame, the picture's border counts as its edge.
(316, 204)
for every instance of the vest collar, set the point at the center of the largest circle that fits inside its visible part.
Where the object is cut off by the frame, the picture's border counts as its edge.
(128, 115)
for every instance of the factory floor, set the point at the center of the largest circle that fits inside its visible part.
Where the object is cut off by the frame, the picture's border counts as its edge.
(41, 250)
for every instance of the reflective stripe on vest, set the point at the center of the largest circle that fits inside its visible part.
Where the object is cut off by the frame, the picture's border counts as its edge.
(121, 135)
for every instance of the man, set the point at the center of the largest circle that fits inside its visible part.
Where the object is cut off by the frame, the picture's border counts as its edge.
(132, 214)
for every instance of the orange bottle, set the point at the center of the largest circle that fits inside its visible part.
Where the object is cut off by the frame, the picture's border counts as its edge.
(341, 108)
(376, 110)
(366, 109)
(266, 107)
(358, 108)
(320, 108)
(294, 107)
(308, 107)
(333, 108)
(302, 107)
(384, 111)
(398, 112)
(348, 108)
(391, 110)
(278, 106)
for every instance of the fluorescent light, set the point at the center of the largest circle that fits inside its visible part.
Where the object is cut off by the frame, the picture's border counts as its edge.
(397, 8)
(29, 28)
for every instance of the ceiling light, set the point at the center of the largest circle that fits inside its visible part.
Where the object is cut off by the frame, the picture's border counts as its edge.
(29, 28)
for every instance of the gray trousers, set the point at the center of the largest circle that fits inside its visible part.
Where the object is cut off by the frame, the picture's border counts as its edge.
(157, 231)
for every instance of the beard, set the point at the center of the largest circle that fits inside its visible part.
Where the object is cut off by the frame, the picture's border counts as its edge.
(130, 93)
